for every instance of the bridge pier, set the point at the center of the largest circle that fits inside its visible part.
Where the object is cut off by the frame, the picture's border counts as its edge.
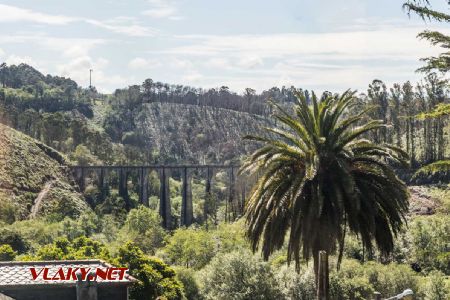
(231, 194)
(208, 194)
(143, 186)
(102, 177)
(123, 187)
(164, 199)
(79, 177)
(187, 214)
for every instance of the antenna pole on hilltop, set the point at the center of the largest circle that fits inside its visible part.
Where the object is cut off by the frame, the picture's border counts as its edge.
(90, 78)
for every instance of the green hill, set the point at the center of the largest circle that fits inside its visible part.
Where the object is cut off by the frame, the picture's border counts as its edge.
(33, 179)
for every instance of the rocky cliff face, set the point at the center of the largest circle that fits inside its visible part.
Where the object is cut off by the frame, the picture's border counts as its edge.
(196, 134)
(33, 179)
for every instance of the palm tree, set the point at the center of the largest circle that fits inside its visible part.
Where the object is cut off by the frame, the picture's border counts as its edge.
(319, 178)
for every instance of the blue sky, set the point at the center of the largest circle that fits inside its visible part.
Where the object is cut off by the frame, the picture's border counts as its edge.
(314, 44)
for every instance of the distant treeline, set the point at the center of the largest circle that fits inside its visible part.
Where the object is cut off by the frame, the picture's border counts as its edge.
(249, 101)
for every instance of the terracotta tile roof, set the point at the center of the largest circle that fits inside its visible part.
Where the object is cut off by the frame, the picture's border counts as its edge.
(18, 273)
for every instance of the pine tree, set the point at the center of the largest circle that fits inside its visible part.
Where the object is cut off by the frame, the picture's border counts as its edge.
(422, 8)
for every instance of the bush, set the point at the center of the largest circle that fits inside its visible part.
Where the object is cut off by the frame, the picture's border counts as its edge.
(143, 227)
(156, 279)
(430, 240)
(83, 156)
(7, 253)
(354, 288)
(86, 225)
(80, 248)
(14, 239)
(8, 211)
(190, 286)
(238, 275)
(436, 287)
(391, 279)
(49, 252)
(37, 232)
(92, 195)
(113, 205)
(191, 247)
(296, 286)
(358, 281)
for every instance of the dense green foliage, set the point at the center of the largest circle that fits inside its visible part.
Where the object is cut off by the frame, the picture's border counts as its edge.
(221, 252)
(7, 253)
(155, 277)
(238, 276)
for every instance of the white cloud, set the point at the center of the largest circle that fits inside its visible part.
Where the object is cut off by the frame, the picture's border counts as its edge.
(120, 25)
(162, 9)
(68, 47)
(15, 14)
(17, 60)
(142, 63)
(124, 27)
(250, 62)
(323, 61)
(65, 46)
(180, 63)
(359, 44)
(137, 63)
(218, 62)
(192, 77)
(2, 53)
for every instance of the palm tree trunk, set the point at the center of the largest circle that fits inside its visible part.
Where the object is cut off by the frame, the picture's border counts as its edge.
(322, 275)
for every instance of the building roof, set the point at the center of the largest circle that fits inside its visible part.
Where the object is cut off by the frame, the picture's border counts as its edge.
(18, 274)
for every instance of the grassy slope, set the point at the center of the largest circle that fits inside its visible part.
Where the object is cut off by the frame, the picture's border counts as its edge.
(26, 166)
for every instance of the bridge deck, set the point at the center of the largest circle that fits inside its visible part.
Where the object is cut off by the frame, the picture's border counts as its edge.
(155, 167)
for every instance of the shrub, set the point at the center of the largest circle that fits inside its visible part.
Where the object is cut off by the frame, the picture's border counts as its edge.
(358, 281)
(238, 275)
(437, 288)
(391, 279)
(296, 286)
(155, 278)
(143, 227)
(92, 195)
(7, 253)
(80, 248)
(14, 239)
(83, 156)
(37, 232)
(49, 252)
(8, 211)
(354, 288)
(430, 240)
(191, 247)
(190, 286)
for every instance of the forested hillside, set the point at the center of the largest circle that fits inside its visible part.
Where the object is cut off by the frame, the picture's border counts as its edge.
(159, 122)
